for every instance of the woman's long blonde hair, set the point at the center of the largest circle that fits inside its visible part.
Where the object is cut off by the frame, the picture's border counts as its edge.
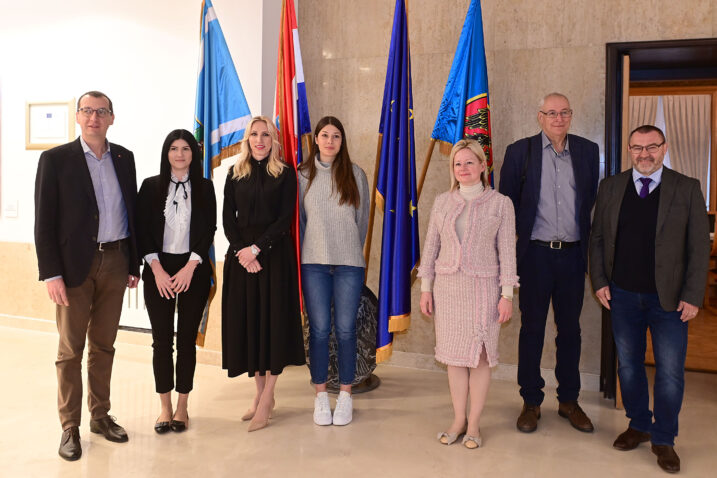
(242, 168)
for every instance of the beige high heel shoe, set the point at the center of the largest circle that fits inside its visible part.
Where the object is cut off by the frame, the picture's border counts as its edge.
(250, 413)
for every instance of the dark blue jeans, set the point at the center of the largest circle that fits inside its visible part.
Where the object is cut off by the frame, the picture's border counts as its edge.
(632, 315)
(558, 275)
(322, 286)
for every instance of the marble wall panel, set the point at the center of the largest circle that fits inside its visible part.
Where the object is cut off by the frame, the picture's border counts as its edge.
(532, 48)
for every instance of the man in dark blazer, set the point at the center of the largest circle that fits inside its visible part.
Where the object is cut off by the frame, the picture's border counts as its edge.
(85, 192)
(552, 180)
(649, 255)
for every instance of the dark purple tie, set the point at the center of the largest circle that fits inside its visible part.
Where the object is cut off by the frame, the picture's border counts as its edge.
(645, 187)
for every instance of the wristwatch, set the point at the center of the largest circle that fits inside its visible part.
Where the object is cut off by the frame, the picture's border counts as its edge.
(254, 250)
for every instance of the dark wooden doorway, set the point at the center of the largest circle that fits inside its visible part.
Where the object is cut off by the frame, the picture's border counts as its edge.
(691, 62)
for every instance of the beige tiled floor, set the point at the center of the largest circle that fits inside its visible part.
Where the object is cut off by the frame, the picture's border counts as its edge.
(393, 433)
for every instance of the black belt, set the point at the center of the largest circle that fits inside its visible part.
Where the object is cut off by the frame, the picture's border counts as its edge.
(106, 246)
(555, 244)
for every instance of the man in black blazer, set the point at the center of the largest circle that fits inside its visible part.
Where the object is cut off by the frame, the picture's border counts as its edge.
(85, 193)
(552, 180)
(649, 255)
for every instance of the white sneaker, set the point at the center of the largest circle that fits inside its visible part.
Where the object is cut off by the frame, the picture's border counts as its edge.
(322, 409)
(344, 409)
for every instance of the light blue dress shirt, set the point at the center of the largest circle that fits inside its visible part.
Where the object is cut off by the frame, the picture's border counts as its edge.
(556, 217)
(110, 203)
(656, 179)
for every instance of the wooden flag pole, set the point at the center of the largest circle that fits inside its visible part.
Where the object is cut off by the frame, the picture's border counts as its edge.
(372, 211)
(421, 180)
(424, 170)
(307, 140)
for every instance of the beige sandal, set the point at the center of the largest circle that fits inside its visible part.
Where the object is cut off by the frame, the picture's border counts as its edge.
(472, 442)
(448, 438)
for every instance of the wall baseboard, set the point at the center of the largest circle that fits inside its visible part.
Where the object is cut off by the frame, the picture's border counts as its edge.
(503, 371)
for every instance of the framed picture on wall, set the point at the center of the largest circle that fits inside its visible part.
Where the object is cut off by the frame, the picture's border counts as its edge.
(49, 123)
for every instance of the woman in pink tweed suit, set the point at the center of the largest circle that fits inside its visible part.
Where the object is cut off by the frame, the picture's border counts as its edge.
(468, 272)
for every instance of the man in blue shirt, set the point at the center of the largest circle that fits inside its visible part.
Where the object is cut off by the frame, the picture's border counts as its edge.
(552, 180)
(85, 193)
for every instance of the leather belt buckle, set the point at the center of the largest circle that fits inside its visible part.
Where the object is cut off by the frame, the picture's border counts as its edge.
(556, 244)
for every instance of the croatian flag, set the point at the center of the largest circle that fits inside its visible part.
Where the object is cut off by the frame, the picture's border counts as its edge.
(292, 109)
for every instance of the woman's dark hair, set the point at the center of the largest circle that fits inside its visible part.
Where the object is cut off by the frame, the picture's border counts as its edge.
(342, 172)
(195, 167)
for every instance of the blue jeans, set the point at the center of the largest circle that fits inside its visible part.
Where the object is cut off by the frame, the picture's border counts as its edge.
(632, 315)
(322, 285)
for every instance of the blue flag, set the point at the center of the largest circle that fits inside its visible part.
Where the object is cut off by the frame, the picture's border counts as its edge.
(465, 109)
(221, 114)
(396, 189)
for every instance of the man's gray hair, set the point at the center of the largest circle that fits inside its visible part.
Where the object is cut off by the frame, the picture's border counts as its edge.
(551, 95)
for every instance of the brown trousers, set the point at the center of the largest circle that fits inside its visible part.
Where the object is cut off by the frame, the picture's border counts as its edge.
(94, 312)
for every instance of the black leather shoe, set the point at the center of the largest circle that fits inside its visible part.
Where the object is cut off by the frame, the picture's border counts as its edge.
(70, 448)
(630, 439)
(178, 426)
(528, 419)
(667, 458)
(162, 427)
(108, 427)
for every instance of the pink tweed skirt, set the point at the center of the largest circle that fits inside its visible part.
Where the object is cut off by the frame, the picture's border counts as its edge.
(466, 319)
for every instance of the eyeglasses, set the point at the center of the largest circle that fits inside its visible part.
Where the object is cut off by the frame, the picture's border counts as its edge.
(651, 148)
(101, 112)
(554, 114)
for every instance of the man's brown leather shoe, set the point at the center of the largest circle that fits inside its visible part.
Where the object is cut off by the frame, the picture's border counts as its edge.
(630, 439)
(528, 419)
(667, 458)
(70, 448)
(108, 427)
(576, 416)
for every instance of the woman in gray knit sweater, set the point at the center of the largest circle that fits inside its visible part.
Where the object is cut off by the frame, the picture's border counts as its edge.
(333, 215)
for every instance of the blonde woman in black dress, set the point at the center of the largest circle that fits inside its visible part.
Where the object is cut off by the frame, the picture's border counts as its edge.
(261, 324)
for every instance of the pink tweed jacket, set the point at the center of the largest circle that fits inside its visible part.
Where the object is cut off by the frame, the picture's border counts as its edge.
(488, 248)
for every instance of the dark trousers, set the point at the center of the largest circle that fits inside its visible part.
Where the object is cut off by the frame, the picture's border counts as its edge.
(93, 315)
(190, 307)
(632, 315)
(559, 275)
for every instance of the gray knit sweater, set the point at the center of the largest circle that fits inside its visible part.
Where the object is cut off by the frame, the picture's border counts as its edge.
(332, 234)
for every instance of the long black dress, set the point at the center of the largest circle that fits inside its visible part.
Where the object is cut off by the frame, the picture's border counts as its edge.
(261, 324)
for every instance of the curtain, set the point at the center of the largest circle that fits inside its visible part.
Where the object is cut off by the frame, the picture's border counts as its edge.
(643, 110)
(687, 127)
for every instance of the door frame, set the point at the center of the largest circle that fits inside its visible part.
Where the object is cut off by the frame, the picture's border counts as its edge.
(666, 60)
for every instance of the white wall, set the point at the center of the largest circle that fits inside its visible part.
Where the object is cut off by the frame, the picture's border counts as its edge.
(142, 54)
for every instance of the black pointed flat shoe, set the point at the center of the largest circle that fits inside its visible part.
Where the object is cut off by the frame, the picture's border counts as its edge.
(178, 426)
(162, 427)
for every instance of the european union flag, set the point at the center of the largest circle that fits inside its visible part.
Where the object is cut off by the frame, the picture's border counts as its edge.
(465, 109)
(221, 112)
(396, 189)
(220, 115)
